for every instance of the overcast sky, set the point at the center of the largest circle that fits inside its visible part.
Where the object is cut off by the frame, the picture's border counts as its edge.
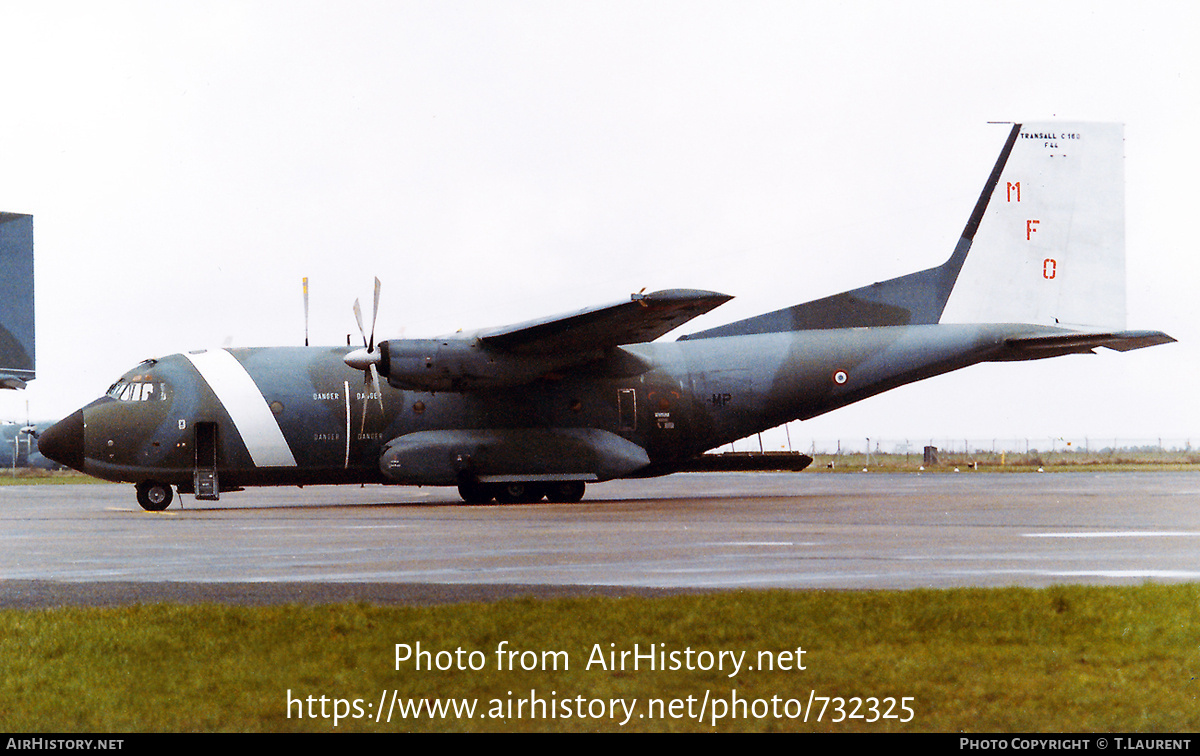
(188, 163)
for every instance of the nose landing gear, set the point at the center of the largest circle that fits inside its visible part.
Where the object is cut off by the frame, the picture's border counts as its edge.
(154, 496)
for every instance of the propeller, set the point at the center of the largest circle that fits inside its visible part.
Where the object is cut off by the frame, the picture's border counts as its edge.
(367, 358)
(30, 429)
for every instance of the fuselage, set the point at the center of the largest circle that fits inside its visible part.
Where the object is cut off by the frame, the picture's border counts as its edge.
(299, 415)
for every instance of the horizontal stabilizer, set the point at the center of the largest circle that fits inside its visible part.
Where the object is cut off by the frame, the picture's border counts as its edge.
(1054, 345)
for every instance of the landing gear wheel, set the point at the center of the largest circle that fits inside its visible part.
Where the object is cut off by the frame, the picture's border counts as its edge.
(154, 496)
(519, 493)
(566, 492)
(475, 493)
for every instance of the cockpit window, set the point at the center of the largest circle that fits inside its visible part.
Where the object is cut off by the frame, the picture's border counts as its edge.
(138, 389)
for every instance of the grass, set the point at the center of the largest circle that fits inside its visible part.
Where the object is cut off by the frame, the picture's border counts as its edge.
(1064, 659)
(24, 476)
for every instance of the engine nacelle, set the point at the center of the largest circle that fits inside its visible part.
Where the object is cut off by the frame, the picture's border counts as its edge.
(458, 365)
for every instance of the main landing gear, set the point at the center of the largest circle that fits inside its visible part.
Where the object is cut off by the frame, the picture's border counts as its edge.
(154, 496)
(559, 492)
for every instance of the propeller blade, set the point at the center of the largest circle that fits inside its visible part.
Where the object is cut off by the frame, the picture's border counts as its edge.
(374, 316)
(358, 317)
(374, 375)
(371, 388)
(366, 359)
(305, 280)
(362, 423)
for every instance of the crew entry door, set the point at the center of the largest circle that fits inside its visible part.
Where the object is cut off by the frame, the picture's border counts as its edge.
(626, 410)
(205, 474)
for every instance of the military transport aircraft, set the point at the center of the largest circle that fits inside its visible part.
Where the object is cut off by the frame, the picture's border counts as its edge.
(540, 409)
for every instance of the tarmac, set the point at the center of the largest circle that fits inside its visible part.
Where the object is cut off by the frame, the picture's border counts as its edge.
(92, 545)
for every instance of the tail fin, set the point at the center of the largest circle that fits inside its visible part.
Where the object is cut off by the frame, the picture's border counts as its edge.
(1044, 245)
(1050, 246)
(16, 300)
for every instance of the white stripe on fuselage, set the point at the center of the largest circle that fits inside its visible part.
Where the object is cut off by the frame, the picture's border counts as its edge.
(236, 390)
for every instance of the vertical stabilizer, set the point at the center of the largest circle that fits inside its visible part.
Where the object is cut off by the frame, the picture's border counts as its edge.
(16, 300)
(1050, 245)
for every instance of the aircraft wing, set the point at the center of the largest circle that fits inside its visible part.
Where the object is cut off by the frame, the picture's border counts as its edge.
(644, 317)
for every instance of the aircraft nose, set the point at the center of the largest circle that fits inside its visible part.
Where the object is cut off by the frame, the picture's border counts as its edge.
(63, 441)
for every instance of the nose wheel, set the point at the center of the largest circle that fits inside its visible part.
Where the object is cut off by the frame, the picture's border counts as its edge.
(154, 496)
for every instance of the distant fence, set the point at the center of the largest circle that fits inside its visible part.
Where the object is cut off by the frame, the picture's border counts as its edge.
(1094, 445)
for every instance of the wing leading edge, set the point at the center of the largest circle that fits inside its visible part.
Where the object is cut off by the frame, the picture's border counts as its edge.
(644, 317)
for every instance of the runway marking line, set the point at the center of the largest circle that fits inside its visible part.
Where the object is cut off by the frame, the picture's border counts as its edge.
(1118, 534)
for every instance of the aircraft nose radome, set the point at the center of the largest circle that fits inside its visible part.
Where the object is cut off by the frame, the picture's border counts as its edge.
(63, 441)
